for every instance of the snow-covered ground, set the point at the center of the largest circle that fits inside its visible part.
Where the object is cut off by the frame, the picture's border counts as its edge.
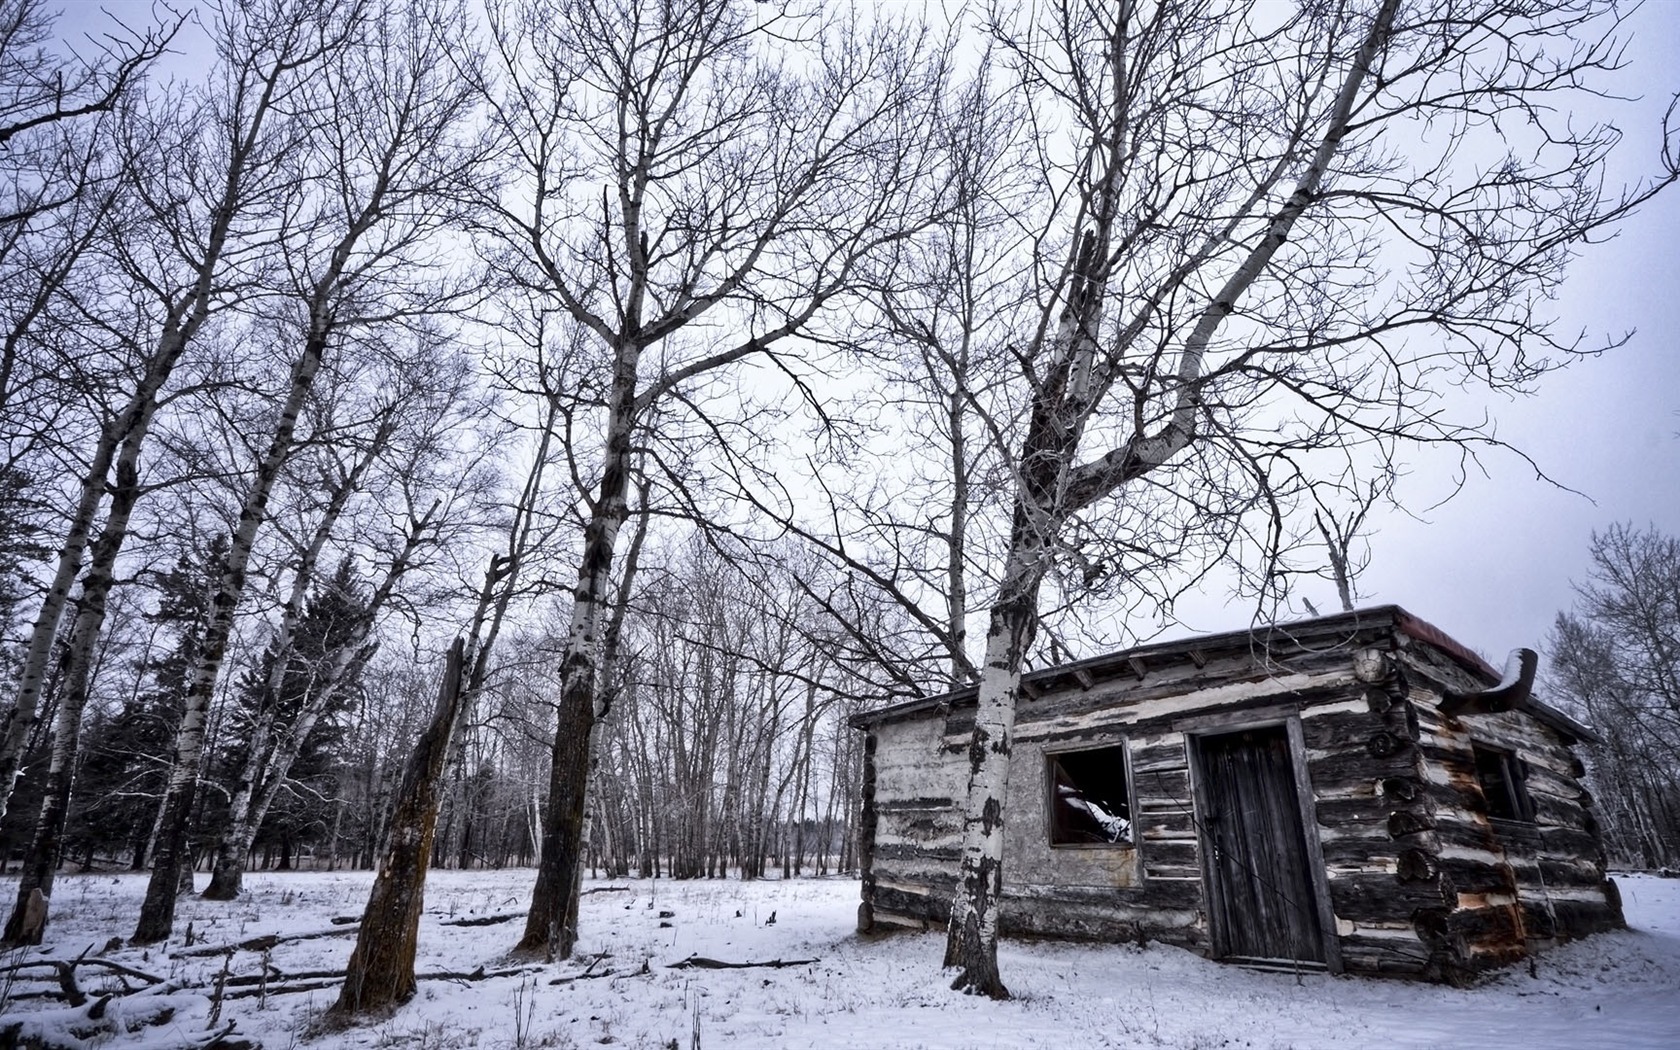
(1614, 990)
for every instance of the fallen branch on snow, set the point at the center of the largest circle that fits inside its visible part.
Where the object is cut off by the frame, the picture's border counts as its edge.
(589, 973)
(485, 920)
(700, 962)
(264, 943)
(278, 983)
(112, 1015)
(64, 972)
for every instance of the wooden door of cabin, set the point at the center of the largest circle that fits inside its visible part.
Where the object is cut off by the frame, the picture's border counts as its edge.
(1261, 903)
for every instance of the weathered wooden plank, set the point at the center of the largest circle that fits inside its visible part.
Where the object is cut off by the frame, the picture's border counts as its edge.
(1154, 706)
(1182, 854)
(1494, 933)
(1549, 876)
(1336, 731)
(912, 870)
(1370, 952)
(931, 823)
(1166, 824)
(922, 905)
(1473, 878)
(1462, 831)
(1337, 769)
(1381, 897)
(1168, 755)
(885, 805)
(1366, 811)
(1355, 851)
(1162, 787)
(1165, 894)
(1570, 842)
(1045, 919)
(887, 854)
(1578, 918)
(1176, 873)
(1560, 812)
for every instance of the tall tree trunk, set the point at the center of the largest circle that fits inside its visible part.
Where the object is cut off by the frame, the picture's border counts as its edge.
(1051, 485)
(263, 785)
(157, 912)
(40, 860)
(380, 973)
(381, 969)
(180, 325)
(560, 869)
(19, 720)
(971, 942)
(243, 816)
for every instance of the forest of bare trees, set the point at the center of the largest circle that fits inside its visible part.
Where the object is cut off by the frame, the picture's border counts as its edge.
(1616, 657)
(444, 434)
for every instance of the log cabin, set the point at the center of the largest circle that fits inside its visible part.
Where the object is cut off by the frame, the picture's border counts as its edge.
(1353, 793)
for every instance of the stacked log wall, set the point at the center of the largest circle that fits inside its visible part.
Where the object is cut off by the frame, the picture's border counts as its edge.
(1150, 891)
(1419, 880)
(1376, 823)
(913, 801)
(1514, 885)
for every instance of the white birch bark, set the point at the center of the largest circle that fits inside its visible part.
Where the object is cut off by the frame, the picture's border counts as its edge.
(253, 101)
(1051, 487)
(234, 843)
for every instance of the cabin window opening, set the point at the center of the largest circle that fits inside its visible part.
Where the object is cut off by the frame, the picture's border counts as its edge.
(1089, 802)
(1502, 776)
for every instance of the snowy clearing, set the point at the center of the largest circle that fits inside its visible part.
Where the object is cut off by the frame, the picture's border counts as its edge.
(1613, 990)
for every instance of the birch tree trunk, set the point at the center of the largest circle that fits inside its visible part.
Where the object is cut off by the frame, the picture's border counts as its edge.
(269, 52)
(276, 764)
(19, 720)
(157, 912)
(52, 168)
(1051, 485)
(560, 869)
(686, 94)
(387, 150)
(40, 860)
(381, 969)
(245, 816)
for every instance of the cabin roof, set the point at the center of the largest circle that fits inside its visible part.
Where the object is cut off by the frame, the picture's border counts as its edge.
(1348, 630)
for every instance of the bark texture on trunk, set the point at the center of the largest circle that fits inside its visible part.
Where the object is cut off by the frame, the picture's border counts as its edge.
(274, 754)
(551, 923)
(157, 913)
(1051, 485)
(19, 719)
(233, 845)
(380, 974)
(971, 941)
(381, 969)
(184, 316)
(40, 860)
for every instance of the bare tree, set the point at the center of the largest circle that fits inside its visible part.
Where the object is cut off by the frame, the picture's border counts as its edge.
(40, 90)
(694, 182)
(59, 190)
(1242, 264)
(1617, 656)
(380, 973)
(380, 128)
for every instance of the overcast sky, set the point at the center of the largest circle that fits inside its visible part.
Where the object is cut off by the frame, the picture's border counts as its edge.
(1493, 566)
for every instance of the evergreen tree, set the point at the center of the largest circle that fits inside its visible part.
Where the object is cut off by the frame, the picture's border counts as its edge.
(332, 622)
(21, 546)
(127, 752)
